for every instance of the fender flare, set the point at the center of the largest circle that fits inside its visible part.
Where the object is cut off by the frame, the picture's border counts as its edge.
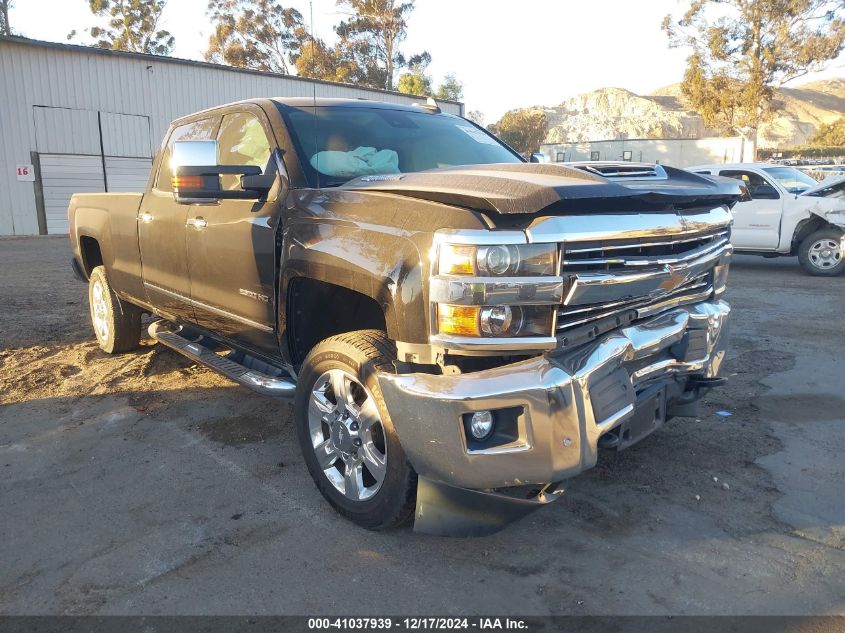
(391, 276)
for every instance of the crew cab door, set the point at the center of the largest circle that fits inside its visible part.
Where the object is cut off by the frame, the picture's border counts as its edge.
(757, 221)
(161, 232)
(231, 244)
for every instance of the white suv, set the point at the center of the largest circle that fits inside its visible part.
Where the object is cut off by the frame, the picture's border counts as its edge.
(788, 213)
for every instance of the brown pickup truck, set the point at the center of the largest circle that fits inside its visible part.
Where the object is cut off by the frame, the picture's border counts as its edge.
(460, 331)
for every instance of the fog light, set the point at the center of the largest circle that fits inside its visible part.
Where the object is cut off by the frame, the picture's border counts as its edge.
(481, 425)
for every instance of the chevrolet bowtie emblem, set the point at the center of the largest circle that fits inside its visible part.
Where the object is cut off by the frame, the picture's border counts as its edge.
(675, 279)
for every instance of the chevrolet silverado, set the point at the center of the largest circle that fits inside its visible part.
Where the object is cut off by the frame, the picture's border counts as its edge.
(460, 331)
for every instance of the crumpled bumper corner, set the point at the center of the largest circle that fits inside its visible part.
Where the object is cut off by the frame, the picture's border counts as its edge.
(567, 400)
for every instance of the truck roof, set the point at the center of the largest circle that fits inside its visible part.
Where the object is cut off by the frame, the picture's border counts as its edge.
(734, 166)
(306, 102)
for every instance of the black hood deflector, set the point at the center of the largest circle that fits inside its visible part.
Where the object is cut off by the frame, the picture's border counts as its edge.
(533, 187)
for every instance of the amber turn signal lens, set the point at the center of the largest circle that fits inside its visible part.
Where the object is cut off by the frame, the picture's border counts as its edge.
(458, 320)
(457, 259)
(186, 182)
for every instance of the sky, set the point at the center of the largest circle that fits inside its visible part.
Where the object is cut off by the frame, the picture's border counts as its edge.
(508, 53)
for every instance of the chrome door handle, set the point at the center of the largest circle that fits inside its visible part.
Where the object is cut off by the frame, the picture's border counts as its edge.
(198, 223)
(146, 218)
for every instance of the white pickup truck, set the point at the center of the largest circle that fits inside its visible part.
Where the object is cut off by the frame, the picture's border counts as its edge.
(788, 213)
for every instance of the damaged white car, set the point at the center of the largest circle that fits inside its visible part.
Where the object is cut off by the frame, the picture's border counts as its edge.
(788, 213)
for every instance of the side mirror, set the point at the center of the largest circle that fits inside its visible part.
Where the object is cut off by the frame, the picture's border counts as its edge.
(196, 175)
(193, 154)
(537, 157)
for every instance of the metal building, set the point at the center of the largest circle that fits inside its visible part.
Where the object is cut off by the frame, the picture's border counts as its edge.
(681, 152)
(80, 119)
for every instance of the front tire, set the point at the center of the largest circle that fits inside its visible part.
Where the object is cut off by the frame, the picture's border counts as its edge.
(349, 443)
(820, 253)
(117, 324)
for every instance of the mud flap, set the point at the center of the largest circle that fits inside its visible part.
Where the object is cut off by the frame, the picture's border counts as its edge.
(444, 510)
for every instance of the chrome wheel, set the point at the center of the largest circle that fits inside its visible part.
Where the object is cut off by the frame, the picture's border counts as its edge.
(824, 253)
(100, 310)
(347, 435)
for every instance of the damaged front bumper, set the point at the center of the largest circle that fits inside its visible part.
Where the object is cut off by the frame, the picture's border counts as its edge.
(555, 411)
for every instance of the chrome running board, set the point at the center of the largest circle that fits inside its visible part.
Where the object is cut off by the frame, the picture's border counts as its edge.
(171, 336)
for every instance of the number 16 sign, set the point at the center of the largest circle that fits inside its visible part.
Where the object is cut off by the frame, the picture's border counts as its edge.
(26, 173)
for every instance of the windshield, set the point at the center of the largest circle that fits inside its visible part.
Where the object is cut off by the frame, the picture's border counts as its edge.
(348, 142)
(791, 179)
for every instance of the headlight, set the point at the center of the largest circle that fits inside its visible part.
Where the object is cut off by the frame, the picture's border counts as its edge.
(488, 290)
(495, 321)
(496, 260)
(500, 260)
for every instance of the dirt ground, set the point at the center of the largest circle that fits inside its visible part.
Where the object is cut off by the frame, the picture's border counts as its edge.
(144, 484)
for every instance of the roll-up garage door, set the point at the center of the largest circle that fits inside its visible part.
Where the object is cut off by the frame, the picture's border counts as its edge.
(128, 156)
(127, 175)
(75, 146)
(63, 175)
(126, 145)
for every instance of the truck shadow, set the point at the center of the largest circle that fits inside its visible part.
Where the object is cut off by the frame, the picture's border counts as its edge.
(163, 448)
(207, 475)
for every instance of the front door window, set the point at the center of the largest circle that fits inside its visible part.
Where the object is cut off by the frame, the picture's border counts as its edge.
(758, 187)
(242, 141)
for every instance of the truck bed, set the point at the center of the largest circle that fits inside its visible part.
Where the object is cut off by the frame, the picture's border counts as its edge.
(110, 219)
(123, 204)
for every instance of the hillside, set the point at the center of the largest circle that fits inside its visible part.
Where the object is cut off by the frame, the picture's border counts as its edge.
(615, 113)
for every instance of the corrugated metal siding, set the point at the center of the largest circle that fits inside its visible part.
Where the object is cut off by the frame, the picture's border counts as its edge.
(158, 89)
(66, 131)
(127, 175)
(126, 135)
(62, 176)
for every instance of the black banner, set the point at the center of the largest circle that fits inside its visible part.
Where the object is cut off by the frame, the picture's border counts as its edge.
(307, 624)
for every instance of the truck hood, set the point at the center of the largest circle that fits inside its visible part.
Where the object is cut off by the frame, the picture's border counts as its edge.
(533, 187)
(827, 200)
(831, 187)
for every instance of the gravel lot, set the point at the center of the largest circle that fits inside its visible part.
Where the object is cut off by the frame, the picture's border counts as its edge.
(144, 484)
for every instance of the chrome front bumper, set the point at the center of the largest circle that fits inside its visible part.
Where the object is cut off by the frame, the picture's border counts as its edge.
(568, 400)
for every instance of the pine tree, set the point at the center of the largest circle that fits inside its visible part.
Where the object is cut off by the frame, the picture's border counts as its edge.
(524, 130)
(5, 26)
(451, 89)
(132, 25)
(371, 38)
(257, 34)
(743, 49)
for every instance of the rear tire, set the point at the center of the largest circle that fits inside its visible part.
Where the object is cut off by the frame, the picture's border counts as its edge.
(820, 254)
(117, 324)
(349, 443)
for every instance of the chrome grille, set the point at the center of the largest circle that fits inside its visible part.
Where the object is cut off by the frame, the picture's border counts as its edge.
(613, 283)
(616, 254)
(696, 289)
